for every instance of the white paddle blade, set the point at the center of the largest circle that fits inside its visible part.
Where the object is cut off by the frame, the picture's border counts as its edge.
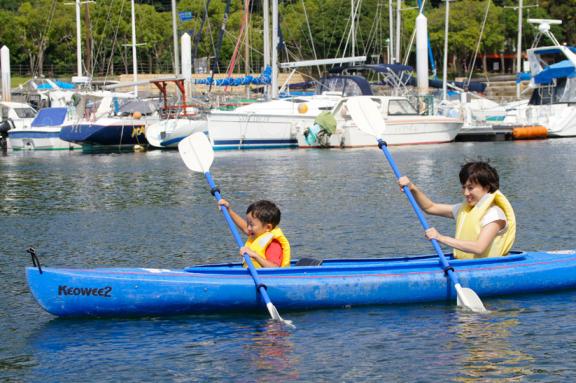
(468, 299)
(196, 152)
(276, 315)
(365, 113)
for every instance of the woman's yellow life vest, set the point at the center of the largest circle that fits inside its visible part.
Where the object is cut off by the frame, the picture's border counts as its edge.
(261, 243)
(468, 226)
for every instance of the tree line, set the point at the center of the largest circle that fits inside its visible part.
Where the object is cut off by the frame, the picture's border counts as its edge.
(41, 34)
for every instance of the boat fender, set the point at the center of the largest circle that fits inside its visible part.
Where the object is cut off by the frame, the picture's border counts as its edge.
(309, 262)
(35, 260)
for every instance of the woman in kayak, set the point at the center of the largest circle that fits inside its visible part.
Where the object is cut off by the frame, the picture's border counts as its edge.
(485, 221)
(266, 245)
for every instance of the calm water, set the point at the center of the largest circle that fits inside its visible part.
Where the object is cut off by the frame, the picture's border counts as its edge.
(148, 210)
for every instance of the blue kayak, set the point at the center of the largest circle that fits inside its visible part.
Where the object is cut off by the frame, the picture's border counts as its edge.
(335, 283)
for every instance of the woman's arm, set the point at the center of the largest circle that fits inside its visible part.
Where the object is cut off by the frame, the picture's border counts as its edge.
(425, 203)
(485, 239)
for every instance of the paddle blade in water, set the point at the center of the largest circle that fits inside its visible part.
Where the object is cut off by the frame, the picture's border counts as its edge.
(468, 299)
(276, 315)
(366, 115)
(196, 152)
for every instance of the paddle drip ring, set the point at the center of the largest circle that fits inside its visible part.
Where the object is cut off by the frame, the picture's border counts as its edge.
(261, 285)
(214, 190)
(446, 269)
(35, 260)
(382, 143)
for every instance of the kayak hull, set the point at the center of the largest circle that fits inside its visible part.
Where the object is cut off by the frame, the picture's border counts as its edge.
(337, 283)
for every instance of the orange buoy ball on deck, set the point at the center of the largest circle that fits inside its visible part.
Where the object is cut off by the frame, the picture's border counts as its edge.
(302, 108)
(529, 132)
(136, 115)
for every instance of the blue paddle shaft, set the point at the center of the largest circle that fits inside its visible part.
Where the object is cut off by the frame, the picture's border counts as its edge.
(421, 218)
(238, 239)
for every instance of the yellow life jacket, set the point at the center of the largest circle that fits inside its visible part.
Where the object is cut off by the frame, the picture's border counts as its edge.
(261, 243)
(468, 226)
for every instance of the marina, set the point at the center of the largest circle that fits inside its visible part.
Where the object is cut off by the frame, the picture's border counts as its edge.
(148, 210)
(234, 199)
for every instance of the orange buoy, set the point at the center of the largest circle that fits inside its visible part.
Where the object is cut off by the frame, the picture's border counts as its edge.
(529, 132)
(302, 108)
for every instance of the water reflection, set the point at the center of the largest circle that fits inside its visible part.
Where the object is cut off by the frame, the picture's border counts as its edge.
(271, 351)
(488, 353)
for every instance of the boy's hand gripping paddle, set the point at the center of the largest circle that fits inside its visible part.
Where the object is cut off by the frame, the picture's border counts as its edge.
(196, 152)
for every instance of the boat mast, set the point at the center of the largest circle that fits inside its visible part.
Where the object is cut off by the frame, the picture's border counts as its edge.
(519, 48)
(266, 11)
(445, 64)
(274, 48)
(398, 22)
(175, 39)
(391, 22)
(134, 62)
(78, 41)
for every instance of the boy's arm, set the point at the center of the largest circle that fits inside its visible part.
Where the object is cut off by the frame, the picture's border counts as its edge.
(239, 221)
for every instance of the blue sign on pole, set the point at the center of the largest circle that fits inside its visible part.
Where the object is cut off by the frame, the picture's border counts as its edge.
(185, 16)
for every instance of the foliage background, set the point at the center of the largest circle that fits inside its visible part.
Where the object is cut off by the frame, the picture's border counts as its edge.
(41, 34)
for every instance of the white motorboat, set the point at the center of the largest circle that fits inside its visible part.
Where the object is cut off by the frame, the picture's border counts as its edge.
(43, 133)
(404, 126)
(275, 124)
(552, 104)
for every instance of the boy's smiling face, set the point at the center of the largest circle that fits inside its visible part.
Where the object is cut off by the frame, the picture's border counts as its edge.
(255, 226)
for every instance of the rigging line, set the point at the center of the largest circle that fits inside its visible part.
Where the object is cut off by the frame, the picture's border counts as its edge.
(409, 50)
(354, 12)
(216, 66)
(374, 29)
(310, 34)
(100, 44)
(199, 34)
(348, 21)
(473, 63)
(110, 61)
(327, 46)
(44, 38)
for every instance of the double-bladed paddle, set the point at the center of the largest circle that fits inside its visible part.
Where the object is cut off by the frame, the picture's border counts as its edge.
(196, 152)
(368, 118)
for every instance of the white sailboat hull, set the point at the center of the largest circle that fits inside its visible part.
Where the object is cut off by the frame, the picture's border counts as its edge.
(168, 133)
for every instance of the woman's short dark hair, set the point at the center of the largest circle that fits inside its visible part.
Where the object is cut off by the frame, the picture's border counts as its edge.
(265, 211)
(481, 173)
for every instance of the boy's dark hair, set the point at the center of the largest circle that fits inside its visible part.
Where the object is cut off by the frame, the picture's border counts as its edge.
(482, 173)
(266, 211)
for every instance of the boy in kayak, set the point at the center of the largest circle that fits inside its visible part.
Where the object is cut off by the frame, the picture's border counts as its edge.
(485, 221)
(266, 245)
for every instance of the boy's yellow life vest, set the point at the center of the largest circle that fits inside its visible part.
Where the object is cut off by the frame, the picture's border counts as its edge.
(468, 226)
(261, 243)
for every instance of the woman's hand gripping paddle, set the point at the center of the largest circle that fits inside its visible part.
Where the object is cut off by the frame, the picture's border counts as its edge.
(368, 118)
(196, 152)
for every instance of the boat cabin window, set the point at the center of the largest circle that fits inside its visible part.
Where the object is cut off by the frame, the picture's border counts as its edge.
(344, 86)
(562, 90)
(401, 107)
(25, 112)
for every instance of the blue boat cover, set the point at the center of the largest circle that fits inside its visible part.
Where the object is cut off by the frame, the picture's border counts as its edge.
(50, 117)
(264, 79)
(61, 85)
(562, 69)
